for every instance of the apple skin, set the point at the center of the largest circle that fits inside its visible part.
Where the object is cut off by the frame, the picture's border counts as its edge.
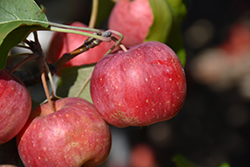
(139, 87)
(133, 19)
(74, 135)
(15, 106)
(67, 42)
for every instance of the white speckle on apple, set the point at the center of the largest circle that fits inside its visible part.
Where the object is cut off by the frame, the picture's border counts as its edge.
(40, 135)
(147, 100)
(170, 79)
(146, 79)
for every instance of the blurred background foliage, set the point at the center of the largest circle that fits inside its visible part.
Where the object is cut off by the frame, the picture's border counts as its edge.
(213, 125)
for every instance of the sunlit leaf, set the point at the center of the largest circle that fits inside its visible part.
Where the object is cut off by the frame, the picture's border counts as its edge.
(72, 82)
(174, 40)
(166, 28)
(162, 23)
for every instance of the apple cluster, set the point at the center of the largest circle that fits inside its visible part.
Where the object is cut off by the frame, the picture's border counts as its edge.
(139, 86)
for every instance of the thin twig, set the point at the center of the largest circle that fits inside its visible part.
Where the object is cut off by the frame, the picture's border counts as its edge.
(46, 90)
(23, 46)
(30, 57)
(94, 13)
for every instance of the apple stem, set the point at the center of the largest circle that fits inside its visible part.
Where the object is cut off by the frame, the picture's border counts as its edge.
(102, 38)
(43, 67)
(39, 56)
(123, 48)
(93, 13)
(53, 90)
(46, 90)
(73, 27)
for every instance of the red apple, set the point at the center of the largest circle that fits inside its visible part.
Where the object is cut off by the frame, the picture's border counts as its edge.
(238, 40)
(74, 135)
(133, 19)
(139, 87)
(15, 106)
(67, 42)
(142, 155)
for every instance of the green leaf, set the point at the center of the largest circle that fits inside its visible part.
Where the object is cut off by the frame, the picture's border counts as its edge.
(166, 28)
(224, 165)
(181, 161)
(178, 10)
(162, 23)
(18, 19)
(174, 40)
(72, 82)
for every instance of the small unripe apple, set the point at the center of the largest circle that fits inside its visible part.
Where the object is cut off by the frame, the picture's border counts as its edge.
(74, 135)
(15, 106)
(132, 18)
(139, 87)
(67, 42)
